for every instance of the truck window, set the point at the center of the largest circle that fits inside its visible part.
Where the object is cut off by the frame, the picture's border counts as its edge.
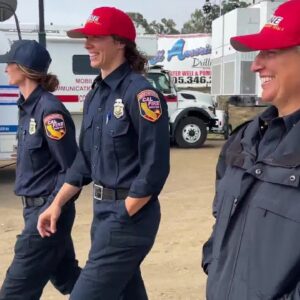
(81, 65)
(160, 81)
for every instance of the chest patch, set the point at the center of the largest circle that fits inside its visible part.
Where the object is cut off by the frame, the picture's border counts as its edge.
(55, 126)
(149, 105)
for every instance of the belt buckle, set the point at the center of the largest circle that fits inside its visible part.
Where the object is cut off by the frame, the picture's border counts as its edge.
(98, 192)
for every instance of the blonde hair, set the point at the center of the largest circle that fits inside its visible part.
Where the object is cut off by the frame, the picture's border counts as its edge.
(48, 81)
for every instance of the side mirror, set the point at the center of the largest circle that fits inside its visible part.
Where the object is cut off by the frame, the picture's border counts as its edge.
(7, 9)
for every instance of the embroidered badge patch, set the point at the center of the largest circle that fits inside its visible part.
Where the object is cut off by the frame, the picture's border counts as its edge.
(55, 126)
(118, 108)
(149, 104)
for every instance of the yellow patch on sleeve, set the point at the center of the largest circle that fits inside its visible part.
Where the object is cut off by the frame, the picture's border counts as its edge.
(149, 105)
(55, 126)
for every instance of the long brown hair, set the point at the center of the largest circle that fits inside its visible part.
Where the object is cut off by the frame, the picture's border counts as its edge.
(48, 81)
(136, 59)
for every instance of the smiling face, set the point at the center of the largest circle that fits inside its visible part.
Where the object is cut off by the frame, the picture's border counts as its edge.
(279, 71)
(105, 53)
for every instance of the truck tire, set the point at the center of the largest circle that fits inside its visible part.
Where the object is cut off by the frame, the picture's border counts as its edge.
(227, 131)
(191, 133)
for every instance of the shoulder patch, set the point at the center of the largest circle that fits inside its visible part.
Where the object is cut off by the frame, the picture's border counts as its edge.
(55, 126)
(149, 105)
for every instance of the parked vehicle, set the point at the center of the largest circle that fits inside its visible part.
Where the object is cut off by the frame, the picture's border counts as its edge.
(191, 113)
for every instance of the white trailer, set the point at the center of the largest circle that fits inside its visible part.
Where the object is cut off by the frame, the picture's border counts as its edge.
(70, 62)
(8, 110)
(231, 73)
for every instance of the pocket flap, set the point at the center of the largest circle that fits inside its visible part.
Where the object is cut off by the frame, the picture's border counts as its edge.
(34, 141)
(276, 174)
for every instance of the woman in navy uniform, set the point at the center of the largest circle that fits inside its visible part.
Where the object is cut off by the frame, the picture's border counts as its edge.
(124, 150)
(253, 252)
(46, 148)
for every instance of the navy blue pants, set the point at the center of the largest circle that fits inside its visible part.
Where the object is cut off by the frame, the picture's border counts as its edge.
(119, 245)
(38, 260)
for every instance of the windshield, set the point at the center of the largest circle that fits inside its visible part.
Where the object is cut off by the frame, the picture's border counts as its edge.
(160, 81)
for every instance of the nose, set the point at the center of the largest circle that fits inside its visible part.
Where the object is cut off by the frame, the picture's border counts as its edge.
(257, 64)
(87, 43)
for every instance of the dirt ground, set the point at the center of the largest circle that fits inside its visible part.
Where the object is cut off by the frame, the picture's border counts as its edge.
(172, 269)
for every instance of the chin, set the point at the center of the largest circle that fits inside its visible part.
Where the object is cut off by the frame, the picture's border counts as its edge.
(94, 65)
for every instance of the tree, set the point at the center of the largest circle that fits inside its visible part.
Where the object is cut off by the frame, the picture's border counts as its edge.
(196, 23)
(167, 26)
(201, 19)
(230, 5)
(139, 20)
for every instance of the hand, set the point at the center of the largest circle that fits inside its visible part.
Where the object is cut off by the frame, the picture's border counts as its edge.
(48, 219)
(133, 205)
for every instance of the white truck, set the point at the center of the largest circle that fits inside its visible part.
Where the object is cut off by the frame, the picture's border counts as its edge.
(191, 113)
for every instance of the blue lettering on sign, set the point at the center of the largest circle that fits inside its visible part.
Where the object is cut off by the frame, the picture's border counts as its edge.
(8, 128)
(160, 57)
(177, 50)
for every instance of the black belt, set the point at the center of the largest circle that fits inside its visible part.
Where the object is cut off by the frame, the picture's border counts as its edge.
(102, 193)
(33, 201)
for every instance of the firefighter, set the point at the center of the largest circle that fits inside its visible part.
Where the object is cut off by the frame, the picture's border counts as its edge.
(254, 250)
(46, 148)
(124, 150)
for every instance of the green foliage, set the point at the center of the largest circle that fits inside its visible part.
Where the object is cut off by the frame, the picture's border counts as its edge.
(166, 26)
(198, 23)
(202, 22)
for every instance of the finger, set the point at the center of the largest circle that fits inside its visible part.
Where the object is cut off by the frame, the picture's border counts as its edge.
(53, 225)
(40, 228)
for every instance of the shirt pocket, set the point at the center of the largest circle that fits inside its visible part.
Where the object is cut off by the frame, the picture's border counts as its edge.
(37, 152)
(118, 128)
(278, 191)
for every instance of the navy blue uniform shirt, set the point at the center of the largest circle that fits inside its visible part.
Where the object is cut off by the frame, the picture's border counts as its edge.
(124, 141)
(46, 144)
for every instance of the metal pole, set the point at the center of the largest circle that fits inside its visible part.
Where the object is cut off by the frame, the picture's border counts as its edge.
(42, 33)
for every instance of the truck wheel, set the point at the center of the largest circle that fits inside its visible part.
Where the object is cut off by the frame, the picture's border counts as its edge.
(227, 131)
(191, 133)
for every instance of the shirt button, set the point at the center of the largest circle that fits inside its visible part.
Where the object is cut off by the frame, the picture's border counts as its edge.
(258, 171)
(96, 147)
(98, 128)
(99, 109)
(292, 178)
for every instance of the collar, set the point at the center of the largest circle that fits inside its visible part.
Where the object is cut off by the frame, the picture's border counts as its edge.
(292, 119)
(116, 76)
(269, 115)
(32, 100)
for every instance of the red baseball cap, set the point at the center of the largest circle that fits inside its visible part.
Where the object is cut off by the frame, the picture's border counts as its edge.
(106, 21)
(282, 31)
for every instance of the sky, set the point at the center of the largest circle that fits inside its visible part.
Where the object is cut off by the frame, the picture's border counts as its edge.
(75, 12)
